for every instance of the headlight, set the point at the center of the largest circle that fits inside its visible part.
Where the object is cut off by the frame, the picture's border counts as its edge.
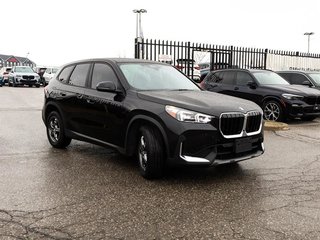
(183, 115)
(292, 96)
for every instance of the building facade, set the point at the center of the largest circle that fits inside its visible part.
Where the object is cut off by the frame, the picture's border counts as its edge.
(10, 61)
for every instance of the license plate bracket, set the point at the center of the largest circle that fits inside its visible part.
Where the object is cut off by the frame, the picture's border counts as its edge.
(243, 145)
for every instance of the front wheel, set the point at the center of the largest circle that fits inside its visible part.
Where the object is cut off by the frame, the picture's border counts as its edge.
(273, 111)
(150, 153)
(55, 131)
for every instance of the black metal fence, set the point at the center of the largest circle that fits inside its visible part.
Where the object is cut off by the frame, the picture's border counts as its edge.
(220, 56)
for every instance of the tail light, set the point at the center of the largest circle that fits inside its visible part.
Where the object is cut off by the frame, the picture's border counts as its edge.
(179, 67)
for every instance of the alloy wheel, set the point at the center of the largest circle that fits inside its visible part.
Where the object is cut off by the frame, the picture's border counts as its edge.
(54, 129)
(143, 155)
(272, 111)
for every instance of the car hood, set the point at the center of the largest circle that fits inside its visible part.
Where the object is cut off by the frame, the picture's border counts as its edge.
(294, 89)
(200, 101)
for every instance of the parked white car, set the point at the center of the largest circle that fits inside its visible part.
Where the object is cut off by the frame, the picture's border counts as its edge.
(4, 74)
(49, 73)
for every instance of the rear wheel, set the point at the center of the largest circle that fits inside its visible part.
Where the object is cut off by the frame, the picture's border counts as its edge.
(55, 131)
(273, 111)
(150, 153)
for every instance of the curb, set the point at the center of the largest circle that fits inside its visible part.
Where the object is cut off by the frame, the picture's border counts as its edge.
(275, 126)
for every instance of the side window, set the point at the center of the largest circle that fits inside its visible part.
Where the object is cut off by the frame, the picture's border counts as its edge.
(65, 73)
(214, 77)
(243, 78)
(103, 72)
(79, 75)
(286, 76)
(228, 78)
(298, 79)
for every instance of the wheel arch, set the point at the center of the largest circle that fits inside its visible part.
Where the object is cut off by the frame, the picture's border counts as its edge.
(133, 130)
(51, 106)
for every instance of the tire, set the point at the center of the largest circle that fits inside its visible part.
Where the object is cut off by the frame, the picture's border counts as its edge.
(273, 111)
(150, 153)
(56, 132)
(308, 118)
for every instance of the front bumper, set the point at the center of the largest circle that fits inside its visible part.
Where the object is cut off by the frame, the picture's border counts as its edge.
(298, 109)
(204, 145)
(26, 82)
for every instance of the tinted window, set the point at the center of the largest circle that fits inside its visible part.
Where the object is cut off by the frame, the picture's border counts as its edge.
(243, 78)
(79, 75)
(298, 79)
(213, 77)
(65, 73)
(286, 76)
(227, 77)
(101, 73)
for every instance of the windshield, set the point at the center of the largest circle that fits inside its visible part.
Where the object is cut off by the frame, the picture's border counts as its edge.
(25, 69)
(151, 76)
(316, 78)
(269, 78)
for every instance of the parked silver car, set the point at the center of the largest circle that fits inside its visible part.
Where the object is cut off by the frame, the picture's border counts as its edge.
(23, 75)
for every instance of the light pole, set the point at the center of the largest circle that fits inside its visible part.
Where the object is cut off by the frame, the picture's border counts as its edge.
(308, 34)
(139, 32)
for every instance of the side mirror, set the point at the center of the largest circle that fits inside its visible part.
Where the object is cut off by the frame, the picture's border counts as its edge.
(252, 84)
(107, 86)
(306, 83)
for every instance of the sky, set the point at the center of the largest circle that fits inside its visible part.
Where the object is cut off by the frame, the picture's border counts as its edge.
(52, 33)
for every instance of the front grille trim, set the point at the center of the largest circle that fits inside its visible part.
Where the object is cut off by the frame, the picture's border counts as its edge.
(244, 132)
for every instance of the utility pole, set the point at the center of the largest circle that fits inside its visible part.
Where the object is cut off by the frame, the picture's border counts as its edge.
(308, 34)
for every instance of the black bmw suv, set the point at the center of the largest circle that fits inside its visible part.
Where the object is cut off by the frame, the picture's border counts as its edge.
(151, 110)
(278, 99)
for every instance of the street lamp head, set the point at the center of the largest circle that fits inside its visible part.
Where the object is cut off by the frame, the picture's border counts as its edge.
(139, 10)
(308, 33)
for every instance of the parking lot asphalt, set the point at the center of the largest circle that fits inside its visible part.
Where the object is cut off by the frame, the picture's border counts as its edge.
(91, 192)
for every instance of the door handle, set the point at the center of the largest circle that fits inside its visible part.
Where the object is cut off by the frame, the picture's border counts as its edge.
(90, 101)
(236, 88)
(63, 94)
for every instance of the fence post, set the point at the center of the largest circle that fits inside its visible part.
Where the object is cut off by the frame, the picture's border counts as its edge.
(136, 48)
(231, 57)
(265, 58)
(188, 57)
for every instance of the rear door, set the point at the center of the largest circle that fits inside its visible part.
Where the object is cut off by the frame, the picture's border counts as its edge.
(72, 95)
(225, 83)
